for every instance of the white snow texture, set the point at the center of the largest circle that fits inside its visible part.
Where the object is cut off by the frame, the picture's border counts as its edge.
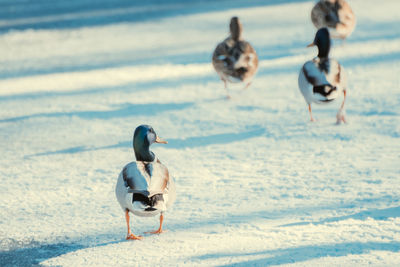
(257, 183)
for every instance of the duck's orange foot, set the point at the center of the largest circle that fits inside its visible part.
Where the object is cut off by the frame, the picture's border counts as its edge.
(133, 237)
(159, 231)
(247, 86)
(340, 118)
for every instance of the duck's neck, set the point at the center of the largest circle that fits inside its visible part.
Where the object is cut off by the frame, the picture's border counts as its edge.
(236, 30)
(323, 49)
(143, 153)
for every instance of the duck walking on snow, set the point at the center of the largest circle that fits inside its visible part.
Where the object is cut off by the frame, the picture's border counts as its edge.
(322, 79)
(336, 15)
(235, 60)
(144, 187)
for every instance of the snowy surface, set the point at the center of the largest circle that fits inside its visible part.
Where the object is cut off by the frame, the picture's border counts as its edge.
(258, 184)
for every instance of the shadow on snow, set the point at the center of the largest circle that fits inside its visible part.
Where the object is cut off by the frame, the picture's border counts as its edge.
(33, 253)
(121, 88)
(148, 85)
(376, 214)
(42, 14)
(305, 253)
(126, 110)
(191, 142)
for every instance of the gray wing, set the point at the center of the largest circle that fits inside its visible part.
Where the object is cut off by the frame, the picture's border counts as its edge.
(222, 60)
(313, 74)
(134, 179)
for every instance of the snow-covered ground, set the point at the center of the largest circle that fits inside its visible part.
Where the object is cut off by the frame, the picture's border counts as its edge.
(258, 184)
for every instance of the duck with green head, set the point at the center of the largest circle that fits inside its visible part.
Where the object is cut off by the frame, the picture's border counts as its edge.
(144, 187)
(322, 79)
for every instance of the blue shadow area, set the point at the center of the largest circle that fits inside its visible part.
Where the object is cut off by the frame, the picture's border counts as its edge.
(260, 215)
(127, 59)
(374, 59)
(190, 142)
(32, 256)
(128, 87)
(305, 253)
(373, 30)
(130, 58)
(33, 253)
(374, 112)
(376, 214)
(216, 139)
(47, 14)
(125, 110)
(346, 62)
(140, 86)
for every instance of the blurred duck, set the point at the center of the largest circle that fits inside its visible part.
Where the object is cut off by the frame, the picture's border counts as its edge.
(235, 60)
(144, 187)
(336, 15)
(322, 79)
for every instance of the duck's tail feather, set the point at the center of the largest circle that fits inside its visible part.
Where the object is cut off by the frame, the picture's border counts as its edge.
(151, 203)
(326, 92)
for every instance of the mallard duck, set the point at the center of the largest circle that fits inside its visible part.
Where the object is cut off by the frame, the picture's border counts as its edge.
(235, 60)
(322, 79)
(336, 15)
(144, 187)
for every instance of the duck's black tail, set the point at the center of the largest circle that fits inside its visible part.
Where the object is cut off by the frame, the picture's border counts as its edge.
(326, 91)
(148, 201)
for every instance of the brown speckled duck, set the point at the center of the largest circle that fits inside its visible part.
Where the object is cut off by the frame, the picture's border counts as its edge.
(235, 60)
(336, 15)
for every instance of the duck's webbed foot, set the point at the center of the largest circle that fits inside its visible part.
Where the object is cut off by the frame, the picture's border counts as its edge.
(130, 236)
(159, 230)
(341, 117)
(133, 237)
(247, 86)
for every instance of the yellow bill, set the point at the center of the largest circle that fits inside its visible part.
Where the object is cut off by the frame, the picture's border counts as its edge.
(160, 141)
